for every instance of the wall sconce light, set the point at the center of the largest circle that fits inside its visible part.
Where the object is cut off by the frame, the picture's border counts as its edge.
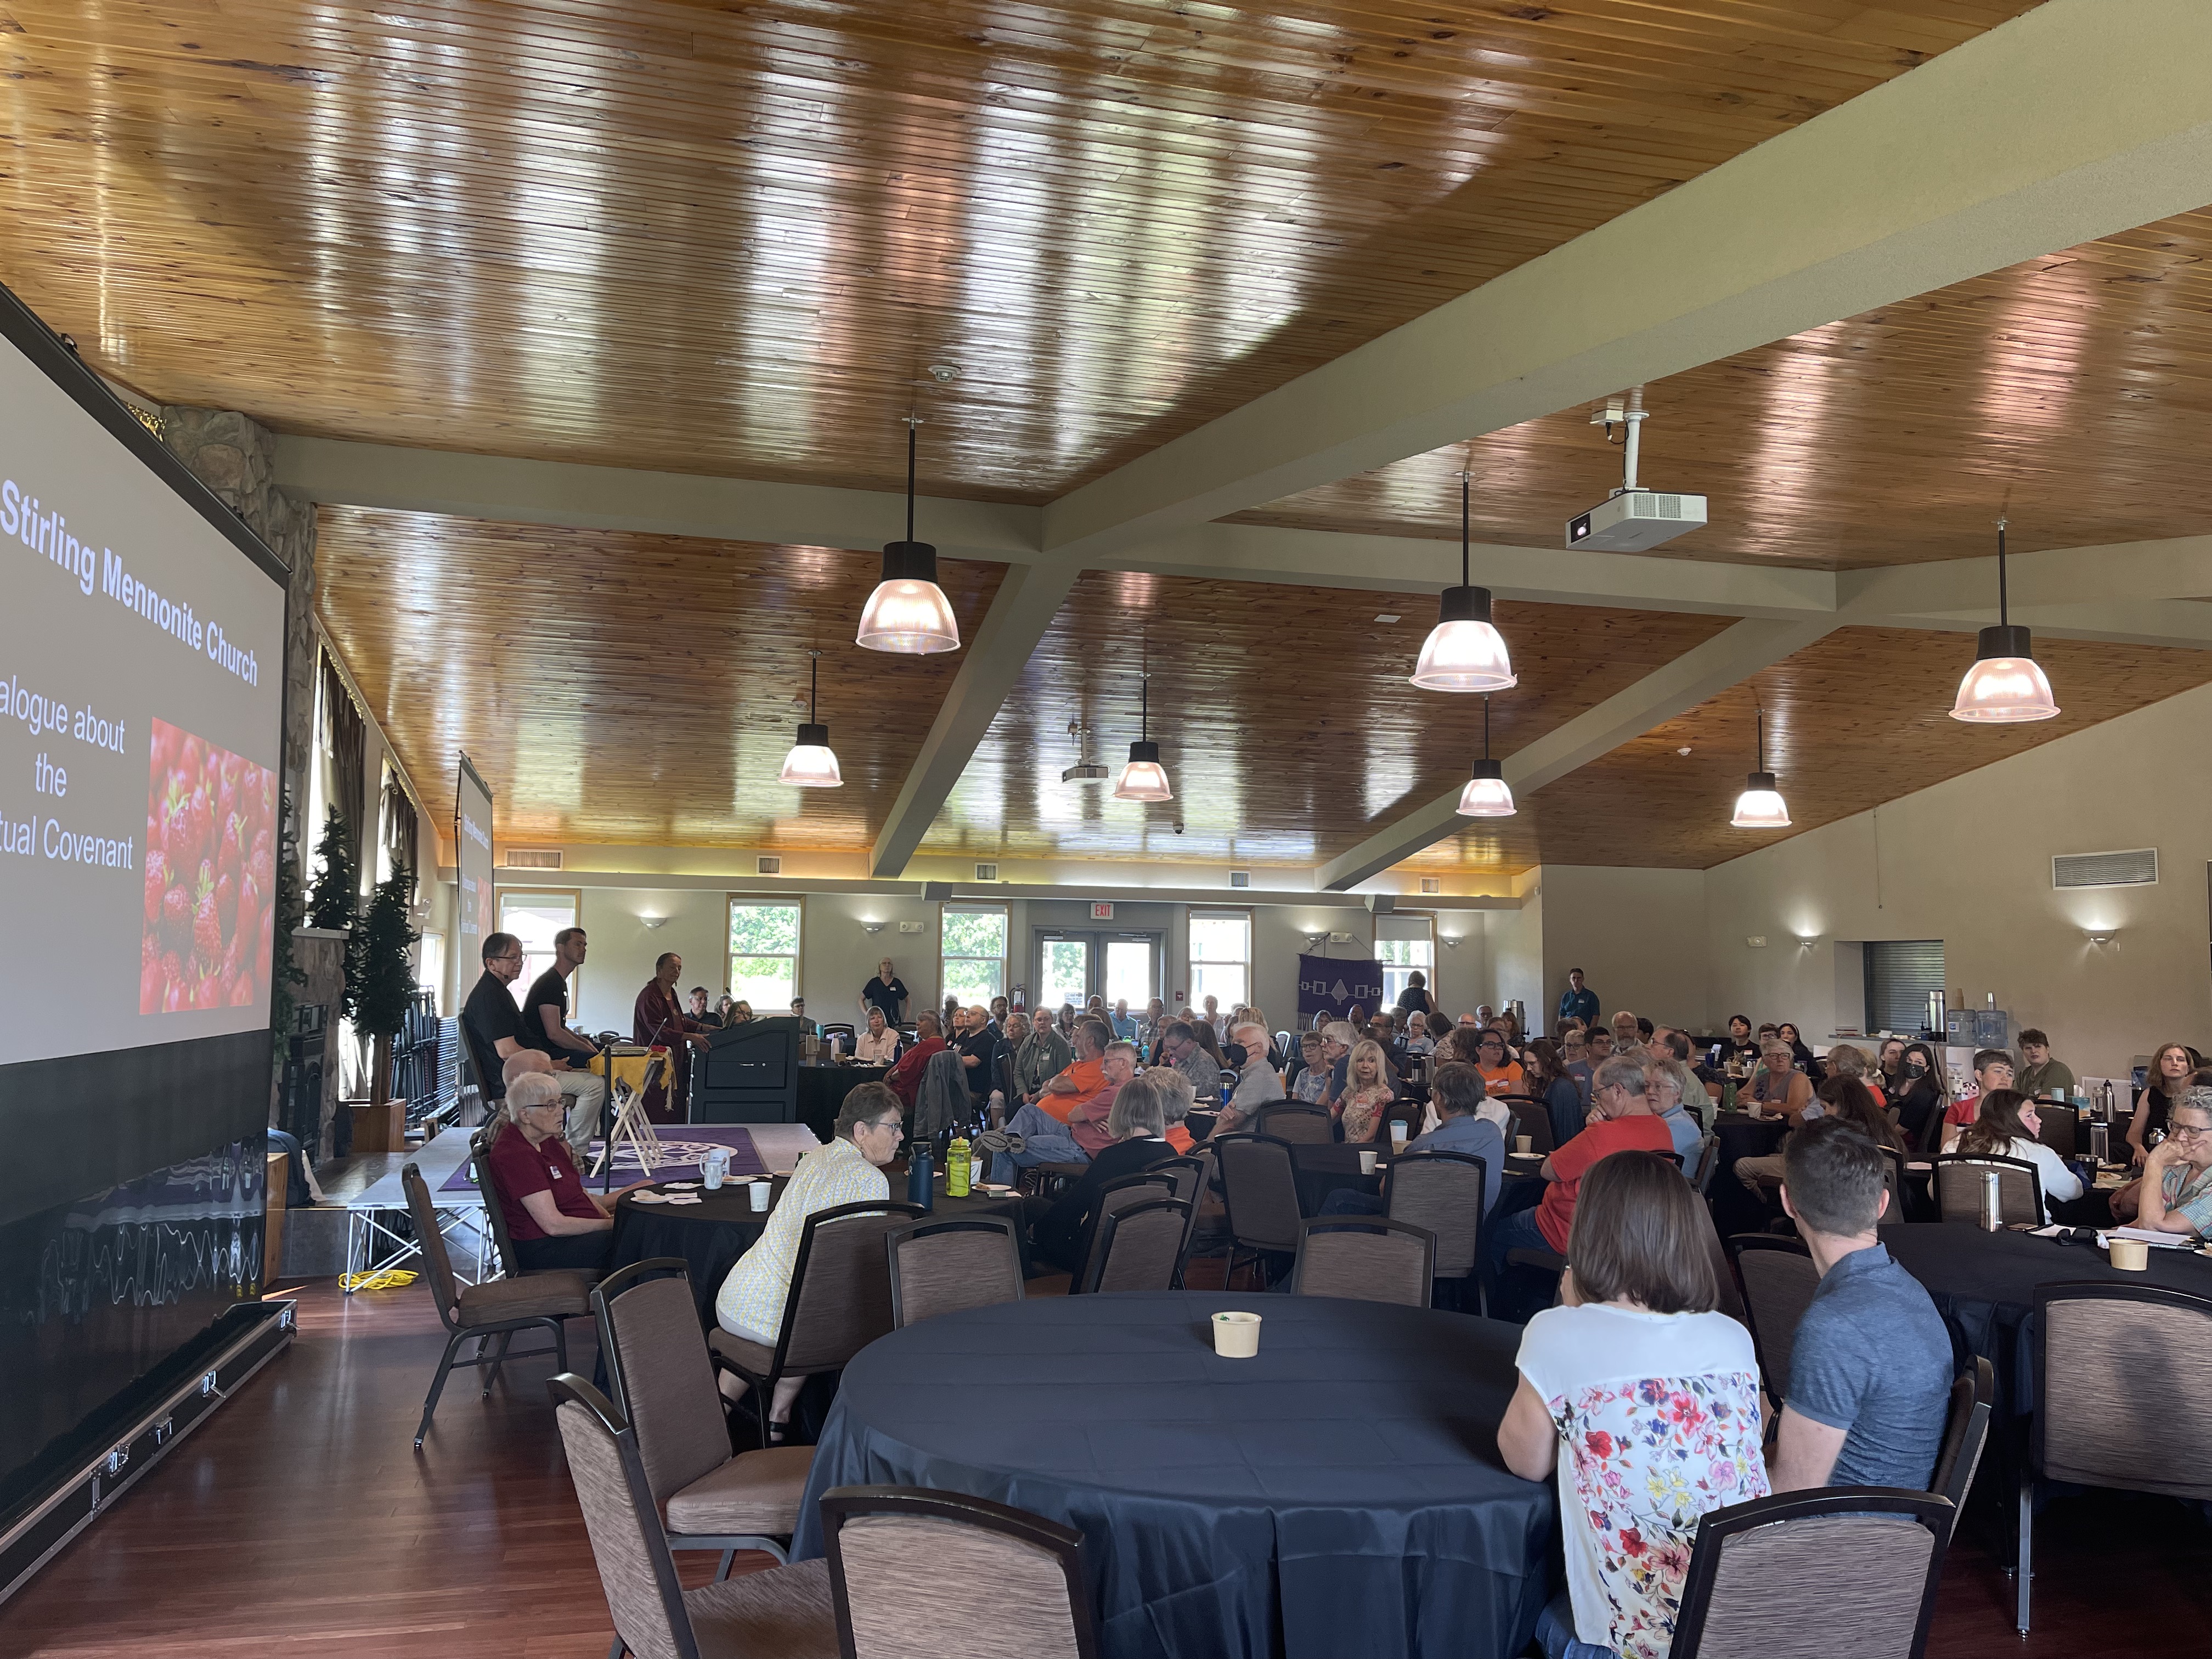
(2097, 939)
(655, 921)
(1807, 941)
(871, 928)
(1313, 940)
(1450, 941)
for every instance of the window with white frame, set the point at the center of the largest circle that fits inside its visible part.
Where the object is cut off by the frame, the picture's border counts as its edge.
(1406, 944)
(972, 960)
(764, 954)
(1220, 957)
(535, 916)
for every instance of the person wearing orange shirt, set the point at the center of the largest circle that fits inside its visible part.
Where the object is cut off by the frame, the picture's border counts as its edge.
(1500, 1075)
(1046, 1130)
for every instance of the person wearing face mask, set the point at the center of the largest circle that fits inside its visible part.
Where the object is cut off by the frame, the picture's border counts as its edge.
(1921, 1098)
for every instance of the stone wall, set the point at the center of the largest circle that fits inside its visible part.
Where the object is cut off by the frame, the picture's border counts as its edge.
(320, 954)
(235, 456)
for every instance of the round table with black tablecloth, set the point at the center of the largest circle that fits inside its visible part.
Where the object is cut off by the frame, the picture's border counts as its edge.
(711, 1235)
(1322, 1167)
(1738, 1134)
(1341, 1494)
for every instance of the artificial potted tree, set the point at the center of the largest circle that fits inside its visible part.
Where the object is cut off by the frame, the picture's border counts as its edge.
(383, 995)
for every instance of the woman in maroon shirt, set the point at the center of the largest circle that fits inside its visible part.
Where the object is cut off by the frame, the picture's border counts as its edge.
(555, 1220)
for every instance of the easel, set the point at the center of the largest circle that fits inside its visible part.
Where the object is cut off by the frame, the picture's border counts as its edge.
(628, 1122)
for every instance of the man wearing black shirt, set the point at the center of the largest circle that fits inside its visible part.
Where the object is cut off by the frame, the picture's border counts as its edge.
(545, 1028)
(978, 1046)
(700, 1012)
(490, 1019)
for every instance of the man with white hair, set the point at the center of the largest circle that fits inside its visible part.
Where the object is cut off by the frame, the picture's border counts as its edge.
(1337, 1038)
(585, 1094)
(1033, 1136)
(1257, 1083)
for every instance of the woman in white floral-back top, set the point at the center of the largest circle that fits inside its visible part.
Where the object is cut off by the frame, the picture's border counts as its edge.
(1645, 1403)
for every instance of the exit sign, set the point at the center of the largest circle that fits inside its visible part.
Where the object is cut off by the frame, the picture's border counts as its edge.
(1100, 912)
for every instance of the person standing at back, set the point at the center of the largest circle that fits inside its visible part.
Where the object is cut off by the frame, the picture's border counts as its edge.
(1870, 1368)
(1415, 998)
(886, 990)
(1578, 1001)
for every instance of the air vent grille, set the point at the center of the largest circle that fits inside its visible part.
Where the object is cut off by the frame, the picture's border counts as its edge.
(533, 858)
(1666, 506)
(770, 866)
(2138, 868)
(987, 873)
(1432, 884)
(1240, 878)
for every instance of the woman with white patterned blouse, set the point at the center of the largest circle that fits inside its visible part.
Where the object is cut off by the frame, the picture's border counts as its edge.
(848, 1170)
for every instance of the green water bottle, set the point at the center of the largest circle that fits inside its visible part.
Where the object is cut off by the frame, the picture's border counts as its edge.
(956, 1168)
(1728, 1093)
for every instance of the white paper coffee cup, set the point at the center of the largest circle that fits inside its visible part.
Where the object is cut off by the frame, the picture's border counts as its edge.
(1366, 1160)
(1524, 1143)
(1237, 1335)
(2129, 1256)
(757, 1194)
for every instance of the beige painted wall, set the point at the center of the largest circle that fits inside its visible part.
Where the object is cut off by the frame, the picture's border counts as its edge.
(1639, 936)
(1969, 862)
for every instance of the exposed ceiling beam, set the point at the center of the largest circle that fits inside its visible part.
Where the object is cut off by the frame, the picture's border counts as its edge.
(2073, 121)
(991, 663)
(501, 489)
(1728, 659)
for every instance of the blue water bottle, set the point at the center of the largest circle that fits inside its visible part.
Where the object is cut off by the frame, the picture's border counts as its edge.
(921, 1176)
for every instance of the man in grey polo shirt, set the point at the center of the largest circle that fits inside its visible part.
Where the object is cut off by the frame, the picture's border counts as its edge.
(1870, 1368)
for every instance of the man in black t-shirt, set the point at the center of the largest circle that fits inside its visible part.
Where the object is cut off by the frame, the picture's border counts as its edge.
(545, 1028)
(979, 1046)
(489, 1017)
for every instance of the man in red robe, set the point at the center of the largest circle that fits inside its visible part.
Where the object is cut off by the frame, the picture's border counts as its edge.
(657, 1020)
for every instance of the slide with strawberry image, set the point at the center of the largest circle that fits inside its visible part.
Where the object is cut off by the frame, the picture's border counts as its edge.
(210, 877)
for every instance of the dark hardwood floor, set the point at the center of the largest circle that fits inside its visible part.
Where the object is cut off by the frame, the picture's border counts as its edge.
(300, 1520)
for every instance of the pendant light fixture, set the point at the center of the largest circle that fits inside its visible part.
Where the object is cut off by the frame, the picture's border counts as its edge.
(1144, 778)
(1464, 651)
(908, 612)
(2005, 682)
(1760, 806)
(1486, 795)
(811, 764)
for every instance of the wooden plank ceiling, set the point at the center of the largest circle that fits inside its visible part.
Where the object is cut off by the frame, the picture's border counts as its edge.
(629, 689)
(2068, 392)
(1859, 719)
(730, 240)
(1284, 717)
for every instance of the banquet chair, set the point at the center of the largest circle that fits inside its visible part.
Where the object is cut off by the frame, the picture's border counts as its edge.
(1139, 1188)
(1531, 1117)
(2137, 1351)
(1893, 1180)
(1207, 1230)
(498, 1307)
(1778, 1279)
(1400, 1111)
(840, 1300)
(495, 1214)
(945, 1267)
(891, 1550)
(1959, 1189)
(1260, 1192)
(1811, 1575)
(1136, 1248)
(1709, 1157)
(2059, 1128)
(1966, 1432)
(851, 1034)
(1296, 1121)
(662, 1382)
(1365, 1259)
(1442, 1193)
(785, 1610)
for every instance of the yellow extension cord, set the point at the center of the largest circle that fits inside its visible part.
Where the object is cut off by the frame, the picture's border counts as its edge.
(383, 1279)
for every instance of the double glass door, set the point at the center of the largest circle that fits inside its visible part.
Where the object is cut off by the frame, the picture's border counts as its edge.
(1073, 967)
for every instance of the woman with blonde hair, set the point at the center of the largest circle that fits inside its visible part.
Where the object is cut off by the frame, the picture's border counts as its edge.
(1366, 1091)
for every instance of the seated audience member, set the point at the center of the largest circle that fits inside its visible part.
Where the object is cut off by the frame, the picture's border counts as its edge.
(1040, 1056)
(1136, 1139)
(1662, 1084)
(1736, 1049)
(741, 1013)
(1418, 1040)
(807, 1027)
(1846, 1100)
(726, 1006)
(2174, 1192)
(2170, 1071)
(702, 1012)
(584, 1104)
(2041, 1073)
(1367, 1091)
(489, 1019)
(1215, 1018)
(554, 1219)
(1870, 1367)
(1383, 1033)
(878, 1044)
(1209, 1040)
(1501, 1073)
(1185, 1051)
(1175, 1101)
(1992, 1070)
(1626, 1032)
(905, 1079)
(1921, 1102)
(1123, 1023)
(1457, 1095)
(1778, 1085)
(1622, 1122)
(1546, 1077)
(1311, 1082)
(1063, 1127)
(1890, 1069)
(2007, 1128)
(1845, 1060)
(848, 1170)
(999, 1009)
(1256, 1083)
(1597, 1048)
(1807, 1061)
(1337, 1037)
(1637, 1321)
(979, 1046)
(1148, 1028)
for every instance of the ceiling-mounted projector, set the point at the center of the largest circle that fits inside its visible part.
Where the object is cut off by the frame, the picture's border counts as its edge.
(1633, 519)
(1636, 519)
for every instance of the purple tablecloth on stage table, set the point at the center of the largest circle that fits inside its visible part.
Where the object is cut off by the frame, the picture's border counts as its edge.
(682, 1146)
